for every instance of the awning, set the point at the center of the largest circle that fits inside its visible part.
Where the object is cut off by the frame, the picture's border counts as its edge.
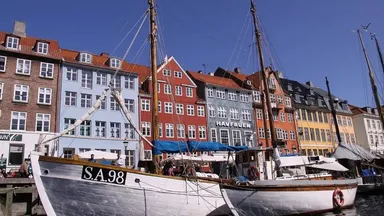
(329, 166)
(352, 152)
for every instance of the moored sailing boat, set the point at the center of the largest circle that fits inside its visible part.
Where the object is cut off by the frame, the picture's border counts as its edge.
(276, 197)
(74, 187)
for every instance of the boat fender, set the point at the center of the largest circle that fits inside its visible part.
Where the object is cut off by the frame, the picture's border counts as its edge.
(338, 197)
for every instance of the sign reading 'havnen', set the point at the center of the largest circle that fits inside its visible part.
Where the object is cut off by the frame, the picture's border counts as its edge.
(233, 124)
(11, 137)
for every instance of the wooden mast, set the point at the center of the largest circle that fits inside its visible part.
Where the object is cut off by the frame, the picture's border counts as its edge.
(265, 83)
(153, 31)
(372, 79)
(333, 111)
(379, 51)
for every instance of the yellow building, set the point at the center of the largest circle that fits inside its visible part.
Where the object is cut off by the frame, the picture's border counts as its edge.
(347, 131)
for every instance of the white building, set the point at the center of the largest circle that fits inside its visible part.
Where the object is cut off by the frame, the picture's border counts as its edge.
(17, 146)
(368, 128)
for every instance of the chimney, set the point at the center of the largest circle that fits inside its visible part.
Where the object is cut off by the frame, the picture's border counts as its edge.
(200, 71)
(309, 83)
(19, 29)
(211, 74)
(104, 54)
(237, 70)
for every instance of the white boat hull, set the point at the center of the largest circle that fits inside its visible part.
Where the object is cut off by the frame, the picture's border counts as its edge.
(64, 192)
(276, 197)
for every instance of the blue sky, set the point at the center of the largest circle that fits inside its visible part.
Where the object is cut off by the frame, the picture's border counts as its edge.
(311, 39)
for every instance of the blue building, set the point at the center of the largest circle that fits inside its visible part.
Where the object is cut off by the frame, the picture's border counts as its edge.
(84, 77)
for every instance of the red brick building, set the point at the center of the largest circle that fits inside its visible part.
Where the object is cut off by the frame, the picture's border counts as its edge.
(181, 113)
(29, 80)
(281, 102)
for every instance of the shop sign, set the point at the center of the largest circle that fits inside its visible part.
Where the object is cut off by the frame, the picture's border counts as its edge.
(233, 124)
(11, 137)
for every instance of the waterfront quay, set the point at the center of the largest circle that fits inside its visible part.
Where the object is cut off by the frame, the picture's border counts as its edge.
(18, 196)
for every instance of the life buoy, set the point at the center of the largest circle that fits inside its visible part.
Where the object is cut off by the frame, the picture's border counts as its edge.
(253, 173)
(338, 198)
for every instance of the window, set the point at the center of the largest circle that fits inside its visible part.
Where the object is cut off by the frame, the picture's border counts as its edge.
(211, 111)
(86, 100)
(70, 98)
(103, 102)
(236, 138)
(18, 121)
(292, 135)
(42, 122)
(202, 132)
(85, 57)
(320, 116)
(180, 109)
(222, 112)
(200, 111)
(290, 117)
(101, 79)
(146, 128)
(116, 81)
(115, 63)
(98, 149)
(178, 90)
(287, 101)
(166, 72)
(328, 135)
(68, 153)
(178, 74)
(12, 42)
(353, 141)
(347, 140)
(129, 82)
(100, 128)
(273, 99)
(344, 121)
(224, 136)
(314, 116)
(244, 98)
(46, 70)
(246, 115)
(369, 123)
(129, 131)
(233, 113)
(71, 74)
(309, 115)
(130, 105)
(160, 128)
(304, 114)
(45, 95)
(1, 90)
(21, 93)
(323, 135)
(213, 135)
(115, 129)
(325, 117)
(232, 96)
(190, 110)
(86, 79)
(16, 154)
(145, 105)
(259, 114)
(3, 63)
(210, 92)
(317, 134)
(130, 158)
(42, 48)
(23, 67)
(248, 138)
(82, 150)
(167, 89)
(272, 83)
(169, 130)
(282, 117)
(306, 134)
(279, 133)
(67, 123)
(256, 96)
(220, 94)
(180, 131)
(114, 104)
(168, 107)
(349, 121)
(191, 131)
(85, 128)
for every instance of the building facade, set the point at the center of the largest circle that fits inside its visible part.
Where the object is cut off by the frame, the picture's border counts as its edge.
(84, 77)
(182, 114)
(229, 110)
(313, 118)
(368, 128)
(29, 72)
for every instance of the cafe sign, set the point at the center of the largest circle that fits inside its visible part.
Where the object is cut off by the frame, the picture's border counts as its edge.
(233, 124)
(11, 137)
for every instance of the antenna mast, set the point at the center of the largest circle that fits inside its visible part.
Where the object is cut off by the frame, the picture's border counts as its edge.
(372, 79)
(333, 111)
(155, 120)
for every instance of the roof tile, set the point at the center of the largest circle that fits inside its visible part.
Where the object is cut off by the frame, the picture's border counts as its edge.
(214, 80)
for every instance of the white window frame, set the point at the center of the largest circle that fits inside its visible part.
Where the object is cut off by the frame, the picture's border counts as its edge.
(167, 89)
(257, 96)
(103, 104)
(200, 111)
(73, 74)
(168, 107)
(179, 90)
(210, 134)
(46, 93)
(180, 109)
(67, 123)
(171, 129)
(210, 92)
(211, 111)
(5, 63)
(14, 42)
(202, 132)
(1, 90)
(233, 137)
(259, 114)
(72, 97)
(146, 128)
(86, 79)
(145, 105)
(220, 94)
(85, 126)
(18, 121)
(181, 129)
(166, 72)
(190, 110)
(42, 48)
(43, 115)
(192, 131)
(178, 74)
(189, 92)
(101, 79)
(160, 128)
(115, 63)
(229, 138)
(85, 58)
(49, 69)
(21, 91)
(87, 100)
(24, 70)
(115, 130)
(129, 82)
(232, 96)
(100, 129)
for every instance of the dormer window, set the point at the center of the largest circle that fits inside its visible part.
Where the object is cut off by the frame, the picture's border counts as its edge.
(289, 87)
(85, 57)
(12, 42)
(249, 82)
(115, 63)
(42, 48)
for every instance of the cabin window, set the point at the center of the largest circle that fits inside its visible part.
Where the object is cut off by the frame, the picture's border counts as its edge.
(16, 154)
(68, 152)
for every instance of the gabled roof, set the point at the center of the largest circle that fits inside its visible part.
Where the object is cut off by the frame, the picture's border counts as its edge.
(27, 45)
(214, 80)
(356, 110)
(101, 61)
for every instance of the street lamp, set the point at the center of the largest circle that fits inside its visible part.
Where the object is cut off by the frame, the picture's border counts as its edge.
(126, 151)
